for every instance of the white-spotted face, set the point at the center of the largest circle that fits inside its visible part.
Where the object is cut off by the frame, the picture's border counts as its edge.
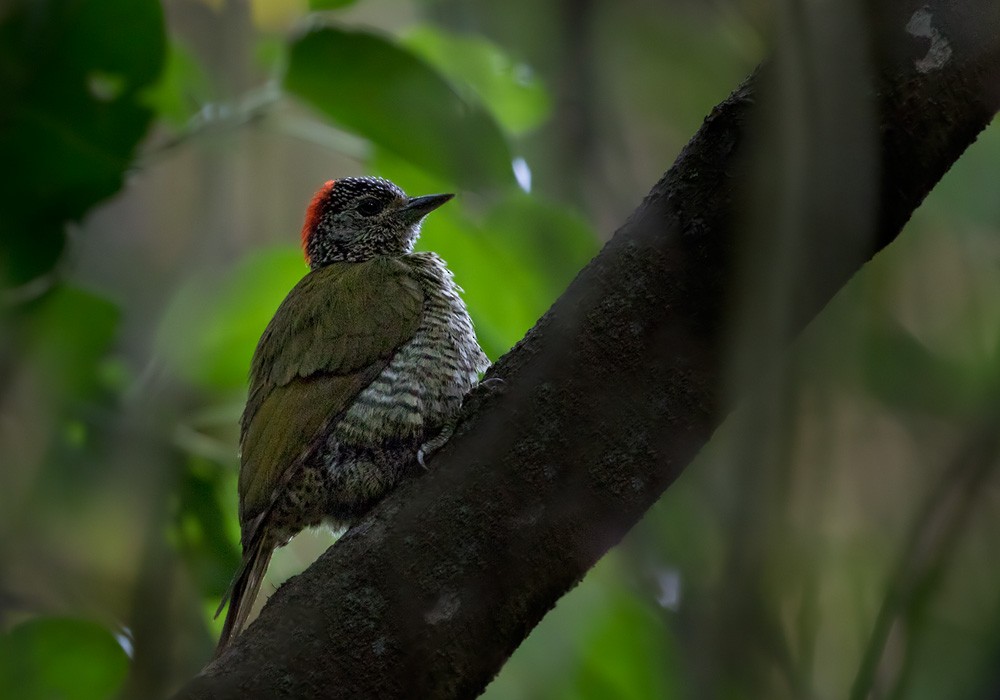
(358, 218)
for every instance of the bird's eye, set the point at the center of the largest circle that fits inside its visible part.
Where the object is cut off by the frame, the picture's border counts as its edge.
(369, 206)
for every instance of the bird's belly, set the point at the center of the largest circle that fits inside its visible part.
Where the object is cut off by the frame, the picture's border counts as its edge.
(417, 392)
(377, 439)
(413, 397)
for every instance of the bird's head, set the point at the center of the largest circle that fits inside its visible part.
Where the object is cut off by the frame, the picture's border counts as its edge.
(358, 218)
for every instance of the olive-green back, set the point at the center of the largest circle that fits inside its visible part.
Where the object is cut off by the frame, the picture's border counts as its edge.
(331, 337)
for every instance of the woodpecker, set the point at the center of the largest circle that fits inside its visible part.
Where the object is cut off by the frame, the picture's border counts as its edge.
(358, 376)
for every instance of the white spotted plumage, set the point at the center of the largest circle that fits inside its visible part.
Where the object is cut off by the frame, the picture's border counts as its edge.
(422, 386)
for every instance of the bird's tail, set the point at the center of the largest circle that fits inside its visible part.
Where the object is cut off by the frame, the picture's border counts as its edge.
(243, 592)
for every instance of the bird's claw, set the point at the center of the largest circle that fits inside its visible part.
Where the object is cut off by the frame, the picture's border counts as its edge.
(434, 444)
(487, 387)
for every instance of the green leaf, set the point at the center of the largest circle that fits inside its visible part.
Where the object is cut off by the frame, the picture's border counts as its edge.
(70, 75)
(371, 86)
(61, 658)
(213, 324)
(509, 89)
(553, 241)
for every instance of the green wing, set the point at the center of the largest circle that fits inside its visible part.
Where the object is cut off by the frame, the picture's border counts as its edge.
(330, 338)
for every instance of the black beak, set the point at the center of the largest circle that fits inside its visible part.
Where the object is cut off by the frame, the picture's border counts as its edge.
(417, 208)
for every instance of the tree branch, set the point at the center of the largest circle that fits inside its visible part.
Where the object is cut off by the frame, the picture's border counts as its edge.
(606, 401)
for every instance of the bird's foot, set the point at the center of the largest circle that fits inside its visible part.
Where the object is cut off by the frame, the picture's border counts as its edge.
(485, 389)
(435, 443)
(427, 450)
(492, 384)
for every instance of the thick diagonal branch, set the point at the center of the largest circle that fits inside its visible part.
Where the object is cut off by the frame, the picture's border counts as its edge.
(606, 401)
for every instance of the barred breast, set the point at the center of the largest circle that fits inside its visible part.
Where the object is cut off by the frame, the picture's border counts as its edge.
(423, 385)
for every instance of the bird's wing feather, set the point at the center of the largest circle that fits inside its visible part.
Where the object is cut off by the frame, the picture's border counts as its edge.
(330, 338)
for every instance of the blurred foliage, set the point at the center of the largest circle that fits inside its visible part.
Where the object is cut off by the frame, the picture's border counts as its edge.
(181, 89)
(60, 658)
(67, 334)
(71, 74)
(211, 328)
(511, 91)
(842, 508)
(947, 388)
(371, 86)
(203, 529)
(329, 4)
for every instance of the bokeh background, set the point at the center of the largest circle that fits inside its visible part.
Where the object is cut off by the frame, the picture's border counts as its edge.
(838, 538)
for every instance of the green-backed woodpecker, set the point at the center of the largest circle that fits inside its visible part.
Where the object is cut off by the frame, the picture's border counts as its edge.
(358, 375)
